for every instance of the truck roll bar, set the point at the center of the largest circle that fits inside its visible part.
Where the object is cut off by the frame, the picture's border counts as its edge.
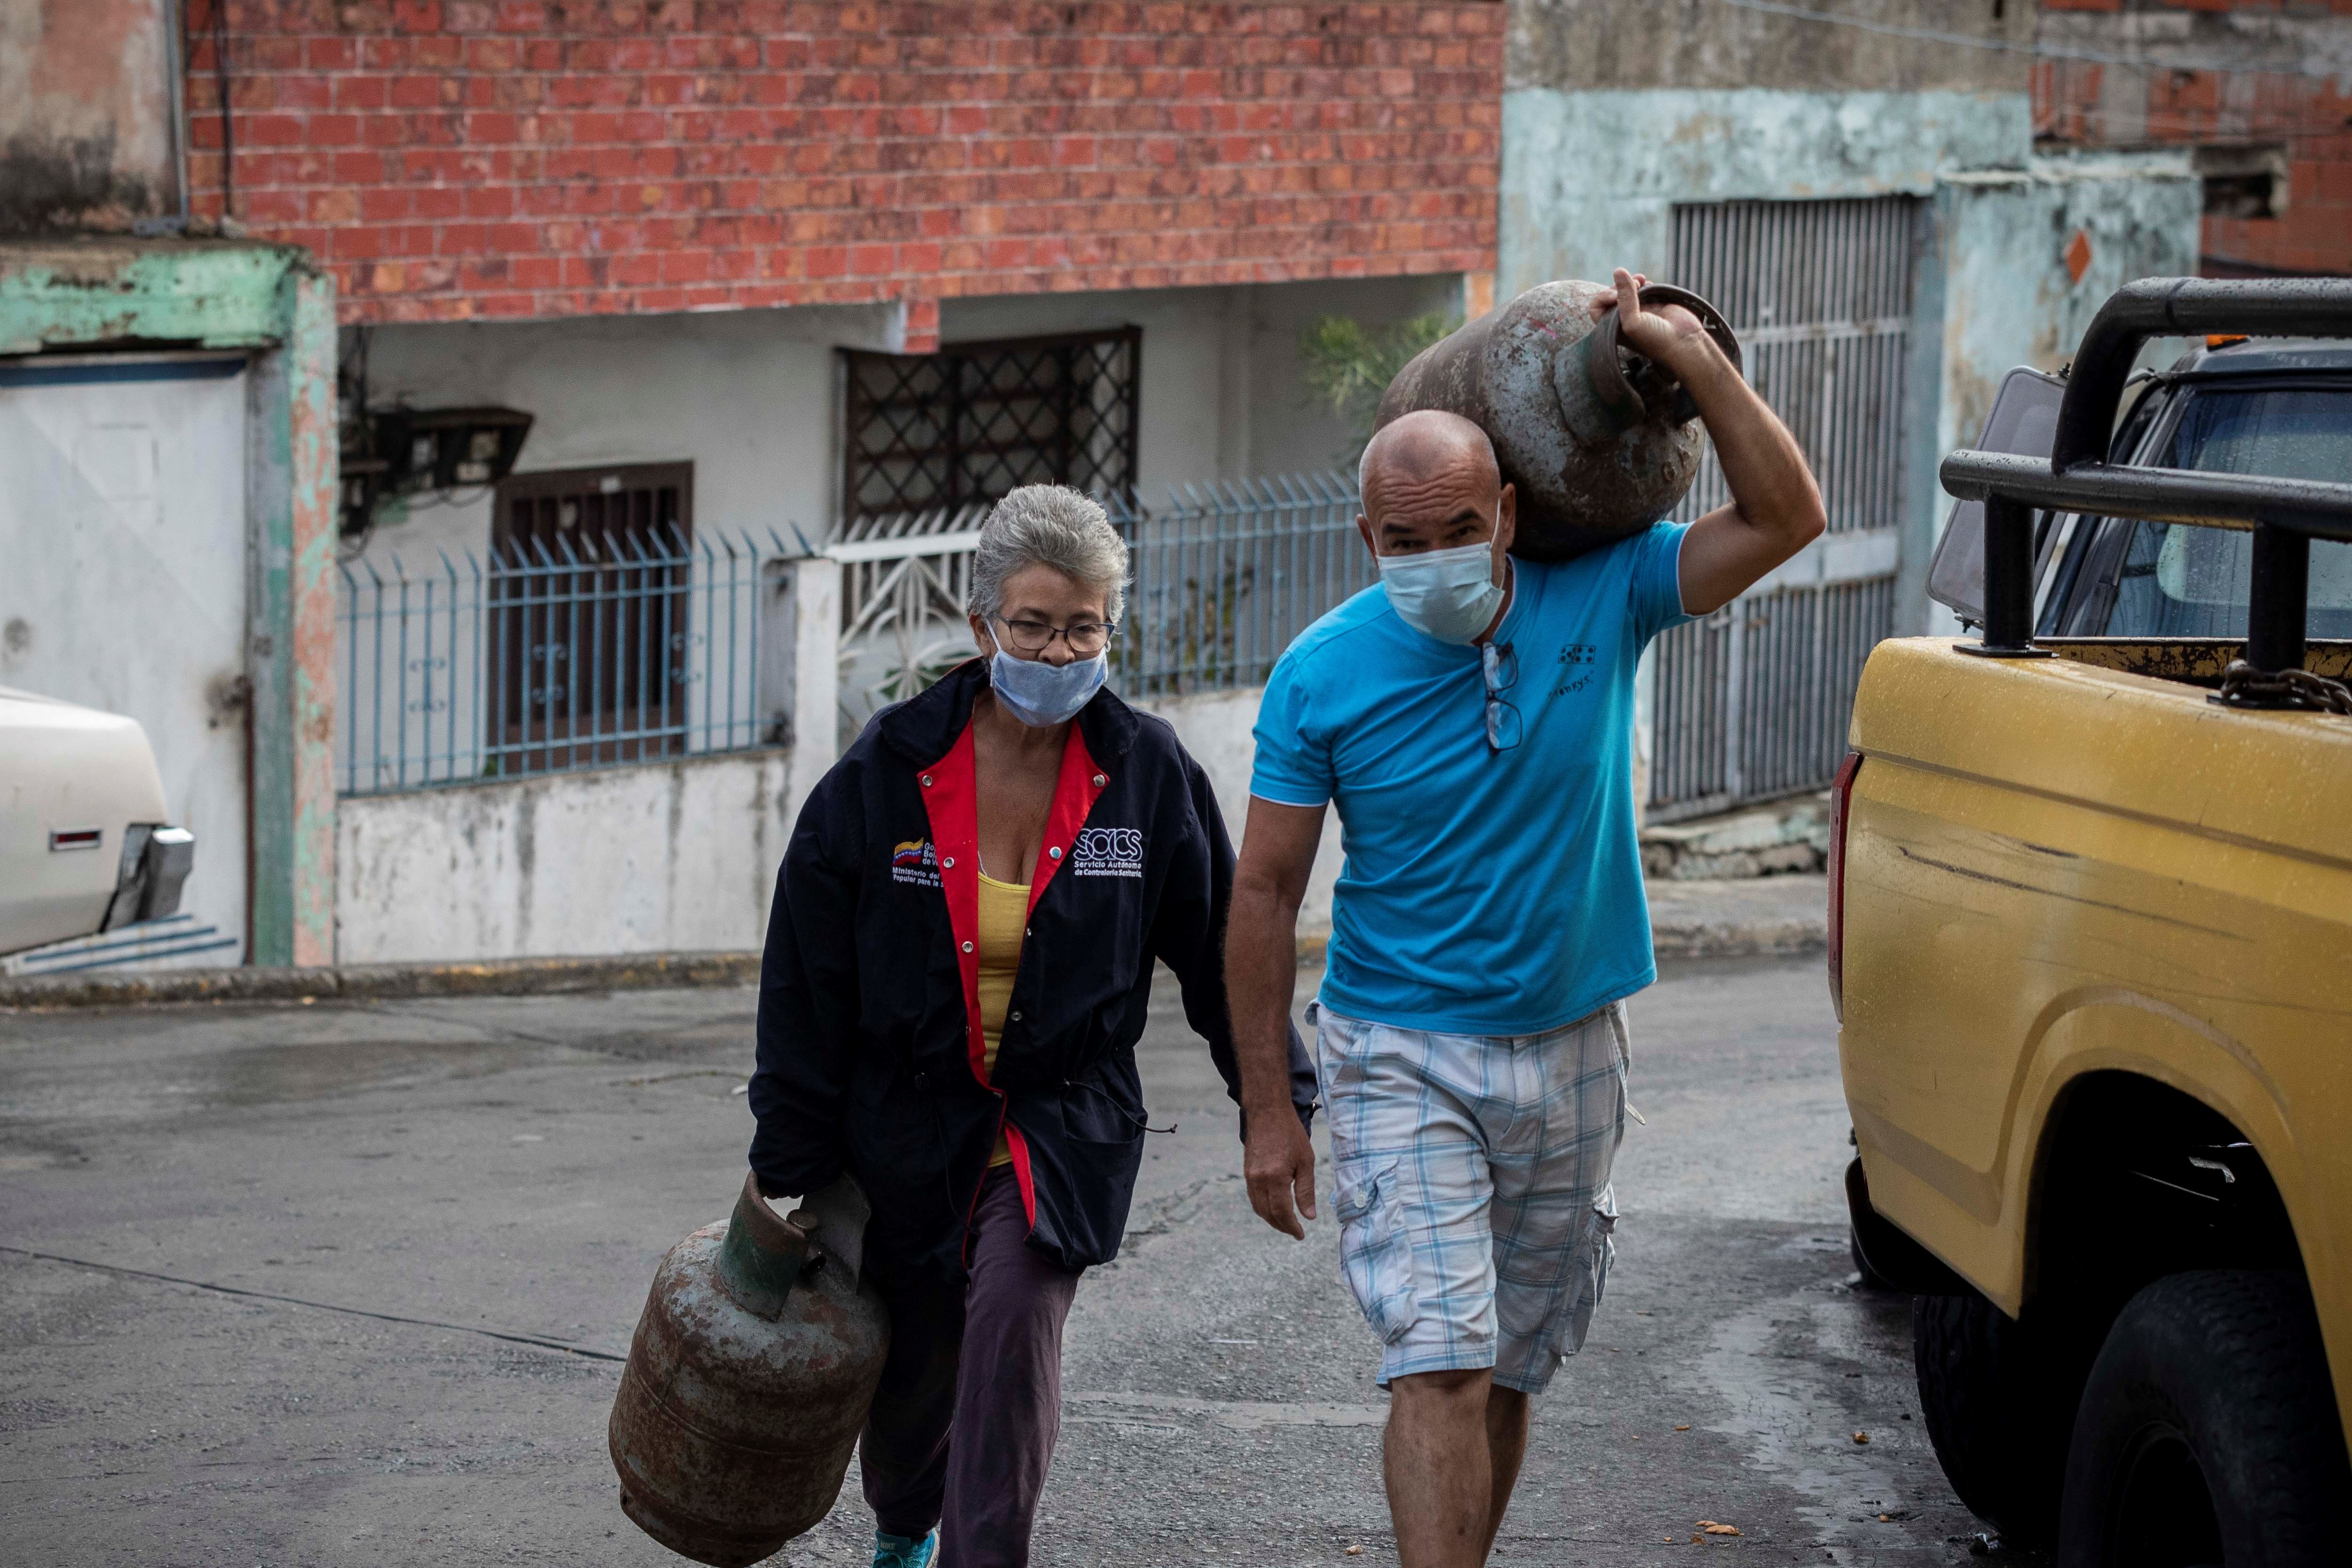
(2283, 515)
(2182, 307)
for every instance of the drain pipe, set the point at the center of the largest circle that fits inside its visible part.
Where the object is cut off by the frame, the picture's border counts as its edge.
(175, 62)
(172, 14)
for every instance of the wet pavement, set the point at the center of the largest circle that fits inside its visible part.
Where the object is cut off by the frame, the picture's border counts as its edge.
(343, 1284)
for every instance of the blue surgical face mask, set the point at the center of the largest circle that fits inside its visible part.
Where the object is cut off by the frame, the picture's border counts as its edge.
(1449, 595)
(1043, 695)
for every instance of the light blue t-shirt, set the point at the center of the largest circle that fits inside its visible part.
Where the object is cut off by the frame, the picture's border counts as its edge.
(1484, 892)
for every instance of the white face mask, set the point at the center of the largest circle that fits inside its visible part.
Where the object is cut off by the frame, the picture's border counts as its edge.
(1043, 695)
(1449, 595)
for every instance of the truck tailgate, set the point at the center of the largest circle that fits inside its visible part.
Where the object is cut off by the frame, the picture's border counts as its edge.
(2053, 868)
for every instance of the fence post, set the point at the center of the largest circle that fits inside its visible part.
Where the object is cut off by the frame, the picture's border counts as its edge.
(776, 626)
(816, 675)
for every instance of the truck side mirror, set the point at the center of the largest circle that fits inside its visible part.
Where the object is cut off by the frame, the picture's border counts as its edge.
(2025, 423)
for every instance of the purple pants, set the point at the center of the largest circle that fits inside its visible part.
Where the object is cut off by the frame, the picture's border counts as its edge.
(970, 1400)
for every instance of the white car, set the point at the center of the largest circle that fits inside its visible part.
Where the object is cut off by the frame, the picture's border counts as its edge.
(85, 847)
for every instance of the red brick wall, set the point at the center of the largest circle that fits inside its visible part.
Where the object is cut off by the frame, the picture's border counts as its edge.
(450, 159)
(2073, 103)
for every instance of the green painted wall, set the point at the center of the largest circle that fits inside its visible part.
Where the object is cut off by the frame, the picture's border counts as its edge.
(68, 294)
(86, 295)
(1590, 179)
(1997, 291)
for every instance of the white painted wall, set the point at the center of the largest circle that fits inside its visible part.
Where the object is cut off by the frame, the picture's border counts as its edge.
(668, 857)
(1216, 729)
(751, 398)
(123, 582)
(1221, 398)
(748, 396)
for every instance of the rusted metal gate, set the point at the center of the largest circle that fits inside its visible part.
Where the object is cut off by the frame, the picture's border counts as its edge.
(1751, 702)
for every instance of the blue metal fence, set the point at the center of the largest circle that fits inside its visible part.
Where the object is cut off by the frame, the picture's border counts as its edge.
(620, 648)
(1226, 574)
(633, 648)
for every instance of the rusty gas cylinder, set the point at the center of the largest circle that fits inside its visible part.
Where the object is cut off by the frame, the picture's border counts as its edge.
(1597, 441)
(747, 1385)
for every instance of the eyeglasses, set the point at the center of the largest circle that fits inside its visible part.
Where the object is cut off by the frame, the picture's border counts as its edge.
(1504, 727)
(1087, 638)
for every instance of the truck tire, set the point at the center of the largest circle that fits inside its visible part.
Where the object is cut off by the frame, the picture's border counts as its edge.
(1997, 1397)
(2209, 1432)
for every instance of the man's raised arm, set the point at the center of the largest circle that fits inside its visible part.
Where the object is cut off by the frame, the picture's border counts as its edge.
(1776, 507)
(1261, 973)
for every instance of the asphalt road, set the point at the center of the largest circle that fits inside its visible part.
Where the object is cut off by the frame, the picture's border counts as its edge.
(517, 1166)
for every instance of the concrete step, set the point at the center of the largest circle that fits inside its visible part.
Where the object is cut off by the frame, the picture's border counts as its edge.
(1772, 840)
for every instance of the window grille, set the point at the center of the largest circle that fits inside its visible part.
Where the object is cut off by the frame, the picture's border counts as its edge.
(971, 422)
(589, 621)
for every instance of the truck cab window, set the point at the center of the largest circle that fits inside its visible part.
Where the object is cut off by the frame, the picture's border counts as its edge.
(2191, 582)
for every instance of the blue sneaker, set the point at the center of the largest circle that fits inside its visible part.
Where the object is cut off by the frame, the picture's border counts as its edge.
(905, 1550)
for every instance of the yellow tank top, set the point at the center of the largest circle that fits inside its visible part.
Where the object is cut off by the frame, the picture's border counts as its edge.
(1003, 915)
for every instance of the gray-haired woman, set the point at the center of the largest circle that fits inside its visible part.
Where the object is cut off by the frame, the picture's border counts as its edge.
(959, 965)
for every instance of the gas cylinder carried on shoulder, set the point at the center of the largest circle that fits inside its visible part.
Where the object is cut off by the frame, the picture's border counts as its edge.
(750, 1379)
(1597, 441)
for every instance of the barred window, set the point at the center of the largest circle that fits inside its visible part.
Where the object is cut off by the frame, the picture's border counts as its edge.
(970, 423)
(590, 617)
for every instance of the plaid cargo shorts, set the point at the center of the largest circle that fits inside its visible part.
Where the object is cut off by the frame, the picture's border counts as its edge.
(1473, 1187)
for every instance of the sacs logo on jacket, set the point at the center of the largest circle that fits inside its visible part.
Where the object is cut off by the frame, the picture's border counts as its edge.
(1108, 852)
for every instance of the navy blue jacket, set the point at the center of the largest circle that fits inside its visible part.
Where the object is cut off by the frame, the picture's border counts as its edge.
(869, 1043)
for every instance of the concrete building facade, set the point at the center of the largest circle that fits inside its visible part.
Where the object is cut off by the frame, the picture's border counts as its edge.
(1860, 189)
(620, 348)
(877, 178)
(2258, 95)
(672, 237)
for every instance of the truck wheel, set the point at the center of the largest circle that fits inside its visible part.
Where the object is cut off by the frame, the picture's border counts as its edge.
(1998, 1397)
(2209, 1432)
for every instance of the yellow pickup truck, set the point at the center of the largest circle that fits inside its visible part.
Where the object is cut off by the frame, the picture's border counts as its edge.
(2090, 946)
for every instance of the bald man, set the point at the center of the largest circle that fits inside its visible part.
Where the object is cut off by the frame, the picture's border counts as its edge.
(1471, 717)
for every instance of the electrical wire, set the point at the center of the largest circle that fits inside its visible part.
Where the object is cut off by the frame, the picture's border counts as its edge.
(456, 495)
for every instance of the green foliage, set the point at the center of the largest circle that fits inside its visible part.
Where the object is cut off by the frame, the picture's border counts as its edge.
(1347, 365)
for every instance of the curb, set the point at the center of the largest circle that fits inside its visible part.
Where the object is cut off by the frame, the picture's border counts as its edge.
(490, 977)
(662, 970)
(1740, 939)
